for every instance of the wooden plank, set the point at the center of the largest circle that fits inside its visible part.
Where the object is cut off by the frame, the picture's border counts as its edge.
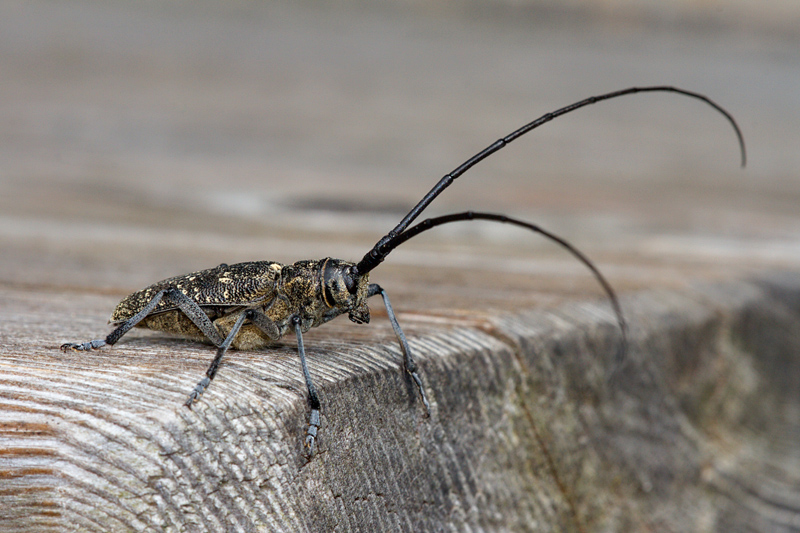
(525, 434)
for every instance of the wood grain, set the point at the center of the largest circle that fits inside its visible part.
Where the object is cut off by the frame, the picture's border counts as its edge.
(694, 432)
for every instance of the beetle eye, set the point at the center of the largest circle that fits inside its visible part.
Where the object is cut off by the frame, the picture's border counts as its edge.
(350, 281)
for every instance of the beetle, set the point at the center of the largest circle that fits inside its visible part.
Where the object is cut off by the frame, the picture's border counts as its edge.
(250, 305)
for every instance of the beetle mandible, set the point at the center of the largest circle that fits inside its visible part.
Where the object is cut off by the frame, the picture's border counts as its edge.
(249, 305)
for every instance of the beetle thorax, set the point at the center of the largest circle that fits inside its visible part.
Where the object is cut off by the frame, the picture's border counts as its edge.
(321, 290)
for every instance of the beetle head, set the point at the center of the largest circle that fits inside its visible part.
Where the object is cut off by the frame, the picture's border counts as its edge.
(345, 290)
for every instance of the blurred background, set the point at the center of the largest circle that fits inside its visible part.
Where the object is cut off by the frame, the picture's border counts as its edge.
(142, 140)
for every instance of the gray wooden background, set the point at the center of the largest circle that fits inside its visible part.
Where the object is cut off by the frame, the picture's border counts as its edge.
(144, 140)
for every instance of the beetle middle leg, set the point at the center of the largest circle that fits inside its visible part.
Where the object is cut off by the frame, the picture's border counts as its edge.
(411, 366)
(188, 306)
(313, 399)
(258, 319)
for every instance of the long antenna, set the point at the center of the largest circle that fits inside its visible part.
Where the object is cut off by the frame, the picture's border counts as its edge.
(375, 256)
(431, 223)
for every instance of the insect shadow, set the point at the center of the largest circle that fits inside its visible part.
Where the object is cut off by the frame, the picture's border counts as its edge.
(249, 305)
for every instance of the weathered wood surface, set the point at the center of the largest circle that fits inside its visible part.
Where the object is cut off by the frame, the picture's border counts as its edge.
(697, 431)
(141, 142)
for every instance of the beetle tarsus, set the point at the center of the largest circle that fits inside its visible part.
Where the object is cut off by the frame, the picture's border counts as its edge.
(198, 391)
(83, 346)
(422, 395)
(311, 434)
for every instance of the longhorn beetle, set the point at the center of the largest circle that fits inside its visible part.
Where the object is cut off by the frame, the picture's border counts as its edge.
(249, 305)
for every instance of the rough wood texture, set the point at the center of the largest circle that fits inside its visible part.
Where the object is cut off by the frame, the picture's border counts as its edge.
(697, 431)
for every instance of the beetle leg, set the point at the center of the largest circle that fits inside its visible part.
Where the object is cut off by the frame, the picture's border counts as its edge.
(411, 366)
(313, 399)
(123, 328)
(212, 370)
(188, 306)
(195, 313)
(264, 323)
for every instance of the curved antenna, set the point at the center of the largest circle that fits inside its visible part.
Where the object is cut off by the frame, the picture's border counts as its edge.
(374, 257)
(431, 223)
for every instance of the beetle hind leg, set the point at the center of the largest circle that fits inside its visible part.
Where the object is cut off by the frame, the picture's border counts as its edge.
(123, 328)
(189, 307)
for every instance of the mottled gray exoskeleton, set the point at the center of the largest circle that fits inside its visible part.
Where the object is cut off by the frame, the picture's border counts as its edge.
(249, 305)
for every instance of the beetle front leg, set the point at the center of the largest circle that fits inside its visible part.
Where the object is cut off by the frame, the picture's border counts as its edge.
(313, 399)
(411, 366)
